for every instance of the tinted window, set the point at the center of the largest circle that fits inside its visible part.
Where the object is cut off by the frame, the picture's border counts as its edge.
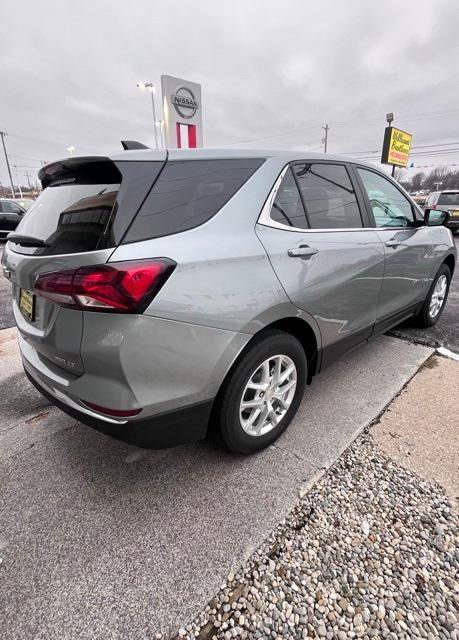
(287, 207)
(70, 218)
(187, 194)
(451, 199)
(328, 196)
(86, 204)
(389, 205)
(11, 207)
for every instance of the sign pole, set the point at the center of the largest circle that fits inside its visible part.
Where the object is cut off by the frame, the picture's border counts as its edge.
(396, 146)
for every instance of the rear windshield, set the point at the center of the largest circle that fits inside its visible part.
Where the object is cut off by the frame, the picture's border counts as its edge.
(449, 198)
(187, 194)
(70, 218)
(87, 204)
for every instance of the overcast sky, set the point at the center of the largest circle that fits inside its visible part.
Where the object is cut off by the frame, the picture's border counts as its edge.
(272, 73)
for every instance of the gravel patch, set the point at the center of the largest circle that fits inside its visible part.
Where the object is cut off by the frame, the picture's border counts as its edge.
(370, 552)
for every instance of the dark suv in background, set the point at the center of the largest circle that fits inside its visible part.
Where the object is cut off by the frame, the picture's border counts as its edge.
(447, 200)
(11, 212)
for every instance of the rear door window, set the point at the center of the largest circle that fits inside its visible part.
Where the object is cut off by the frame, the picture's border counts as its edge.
(328, 196)
(287, 208)
(187, 194)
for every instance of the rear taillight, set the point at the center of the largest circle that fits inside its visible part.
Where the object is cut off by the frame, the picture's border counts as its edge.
(121, 287)
(433, 206)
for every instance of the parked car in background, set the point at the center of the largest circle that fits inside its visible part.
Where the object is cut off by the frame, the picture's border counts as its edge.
(11, 213)
(25, 203)
(159, 294)
(447, 200)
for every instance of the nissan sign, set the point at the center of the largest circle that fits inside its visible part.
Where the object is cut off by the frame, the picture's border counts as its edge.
(184, 102)
(182, 113)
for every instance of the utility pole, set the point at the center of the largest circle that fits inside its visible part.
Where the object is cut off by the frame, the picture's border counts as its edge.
(2, 134)
(28, 178)
(325, 138)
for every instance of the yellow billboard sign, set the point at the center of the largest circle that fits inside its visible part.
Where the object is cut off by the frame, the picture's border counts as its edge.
(396, 147)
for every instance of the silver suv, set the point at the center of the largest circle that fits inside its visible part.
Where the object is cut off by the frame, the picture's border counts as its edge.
(159, 295)
(447, 201)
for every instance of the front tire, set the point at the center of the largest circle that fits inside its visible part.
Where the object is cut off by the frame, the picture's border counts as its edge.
(436, 299)
(262, 393)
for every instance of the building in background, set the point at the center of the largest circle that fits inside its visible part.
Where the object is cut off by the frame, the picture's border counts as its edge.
(182, 113)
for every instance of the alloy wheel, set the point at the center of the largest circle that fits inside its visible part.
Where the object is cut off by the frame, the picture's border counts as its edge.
(268, 395)
(438, 296)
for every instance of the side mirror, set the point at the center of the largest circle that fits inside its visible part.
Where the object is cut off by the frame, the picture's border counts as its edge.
(435, 217)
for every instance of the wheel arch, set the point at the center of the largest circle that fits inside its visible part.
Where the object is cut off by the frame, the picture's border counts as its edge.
(298, 328)
(450, 262)
(303, 332)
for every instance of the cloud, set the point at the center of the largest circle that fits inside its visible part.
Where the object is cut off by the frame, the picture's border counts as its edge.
(272, 73)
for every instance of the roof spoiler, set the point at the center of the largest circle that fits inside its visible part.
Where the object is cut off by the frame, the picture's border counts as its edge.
(80, 170)
(129, 145)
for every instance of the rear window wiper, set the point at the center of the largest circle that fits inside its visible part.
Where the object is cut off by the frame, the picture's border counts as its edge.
(26, 241)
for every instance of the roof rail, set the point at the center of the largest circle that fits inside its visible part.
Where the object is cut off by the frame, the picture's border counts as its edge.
(129, 145)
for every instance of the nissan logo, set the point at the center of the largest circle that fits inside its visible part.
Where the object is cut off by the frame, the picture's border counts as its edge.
(184, 102)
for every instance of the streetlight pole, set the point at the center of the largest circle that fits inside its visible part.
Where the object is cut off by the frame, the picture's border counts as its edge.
(325, 139)
(2, 135)
(159, 124)
(151, 87)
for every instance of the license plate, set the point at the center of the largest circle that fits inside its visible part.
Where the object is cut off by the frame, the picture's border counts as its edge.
(27, 304)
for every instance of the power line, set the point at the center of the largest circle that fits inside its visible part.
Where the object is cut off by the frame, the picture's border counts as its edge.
(418, 146)
(42, 141)
(15, 155)
(428, 114)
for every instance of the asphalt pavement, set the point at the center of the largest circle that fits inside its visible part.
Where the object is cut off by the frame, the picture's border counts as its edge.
(446, 332)
(99, 539)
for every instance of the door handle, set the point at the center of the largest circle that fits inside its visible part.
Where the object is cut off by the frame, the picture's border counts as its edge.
(393, 243)
(303, 251)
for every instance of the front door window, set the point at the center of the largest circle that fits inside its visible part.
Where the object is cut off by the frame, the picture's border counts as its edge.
(389, 205)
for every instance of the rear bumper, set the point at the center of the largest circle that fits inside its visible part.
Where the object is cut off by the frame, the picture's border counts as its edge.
(170, 370)
(167, 429)
(453, 224)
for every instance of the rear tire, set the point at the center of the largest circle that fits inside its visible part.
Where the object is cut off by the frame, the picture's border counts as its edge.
(262, 393)
(436, 299)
